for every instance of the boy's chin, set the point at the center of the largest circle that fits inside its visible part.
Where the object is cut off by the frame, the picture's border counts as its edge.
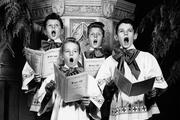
(95, 46)
(54, 37)
(127, 45)
(71, 65)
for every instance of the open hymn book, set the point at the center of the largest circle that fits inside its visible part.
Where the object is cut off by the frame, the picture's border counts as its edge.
(92, 65)
(132, 89)
(71, 88)
(42, 61)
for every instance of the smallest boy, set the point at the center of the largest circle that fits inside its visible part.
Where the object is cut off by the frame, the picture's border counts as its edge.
(53, 27)
(81, 109)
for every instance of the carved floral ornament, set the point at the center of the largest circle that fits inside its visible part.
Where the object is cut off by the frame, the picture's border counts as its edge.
(58, 7)
(79, 30)
(107, 9)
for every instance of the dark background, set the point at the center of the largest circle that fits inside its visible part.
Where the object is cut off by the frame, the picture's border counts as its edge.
(143, 6)
(169, 102)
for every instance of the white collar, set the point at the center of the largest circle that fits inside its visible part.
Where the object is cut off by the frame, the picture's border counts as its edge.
(58, 40)
(131, 47)
(68, 66)
(91, 48)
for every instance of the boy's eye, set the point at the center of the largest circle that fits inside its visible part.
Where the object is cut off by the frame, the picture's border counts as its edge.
(96, 34)
(92, 34)
(99, 34)
(123, 31)
(66, 51)
(57, 25)
(49, 25)
(120, 31)
(130, 30)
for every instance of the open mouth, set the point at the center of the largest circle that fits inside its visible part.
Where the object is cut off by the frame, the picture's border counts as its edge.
(126, 40)
(71, 60)
(53, 33)
(95, 42)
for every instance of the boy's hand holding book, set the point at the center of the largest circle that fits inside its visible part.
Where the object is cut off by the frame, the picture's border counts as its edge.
(153, 93)
(35, 84)
(50, 87)
(37, 78)
(85, 101)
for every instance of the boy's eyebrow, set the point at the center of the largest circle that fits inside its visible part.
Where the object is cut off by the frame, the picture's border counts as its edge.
(127, 29)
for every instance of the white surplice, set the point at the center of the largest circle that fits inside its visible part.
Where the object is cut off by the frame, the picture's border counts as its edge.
(124, 107)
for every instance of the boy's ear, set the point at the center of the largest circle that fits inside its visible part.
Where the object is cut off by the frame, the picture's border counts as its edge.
(135, 36)
(62, 35)
(44, 31)
(62, 32)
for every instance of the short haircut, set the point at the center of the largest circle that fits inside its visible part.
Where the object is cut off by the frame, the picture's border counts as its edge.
(53, 16)
(99, 25)
(126, 21)
(72, 40)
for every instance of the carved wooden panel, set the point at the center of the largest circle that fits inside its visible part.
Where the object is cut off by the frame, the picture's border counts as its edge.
(78, 29)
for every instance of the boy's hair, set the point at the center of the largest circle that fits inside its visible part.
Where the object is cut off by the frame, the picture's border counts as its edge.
(127, 21)
(72, 40)
(95, 25)
(53, 16)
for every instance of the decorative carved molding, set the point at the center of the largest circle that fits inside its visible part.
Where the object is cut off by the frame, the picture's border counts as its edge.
(80, 10)
(107, 8)
(58, 7)
(40, 9)
(98, 8)
(83, 8)
(124, 9)
(125, 6)
(120, 14)
(117, 9)
(78, 14)
(79, 25)
(83, 2)
(78, 29)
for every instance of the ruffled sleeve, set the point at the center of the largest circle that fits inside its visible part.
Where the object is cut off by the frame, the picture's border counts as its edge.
(96, 96)
(106, 72)
(153, 70)
(27, 76)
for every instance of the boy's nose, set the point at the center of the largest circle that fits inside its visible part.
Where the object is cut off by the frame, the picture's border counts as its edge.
(71, 53)
(95, 35)
(125, 33)
(53, 26)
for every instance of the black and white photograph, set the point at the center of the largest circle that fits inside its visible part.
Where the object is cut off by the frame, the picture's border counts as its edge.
(89, 59)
